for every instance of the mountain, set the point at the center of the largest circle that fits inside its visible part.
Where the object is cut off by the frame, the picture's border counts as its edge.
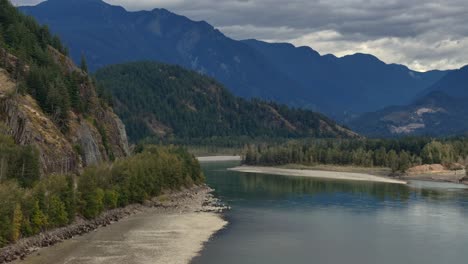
(440, 110)
(349, 85)
(108, 34)
(159, 100)
(46, 102)
(340, 87)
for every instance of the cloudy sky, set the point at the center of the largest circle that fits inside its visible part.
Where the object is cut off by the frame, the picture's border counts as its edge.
(423, 34)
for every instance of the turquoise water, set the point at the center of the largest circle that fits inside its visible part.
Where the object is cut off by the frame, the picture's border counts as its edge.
(276, 219)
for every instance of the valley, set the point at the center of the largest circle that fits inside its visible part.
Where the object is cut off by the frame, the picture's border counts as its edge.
(141, 135)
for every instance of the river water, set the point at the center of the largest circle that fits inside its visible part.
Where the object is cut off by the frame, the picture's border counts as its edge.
(279, 219)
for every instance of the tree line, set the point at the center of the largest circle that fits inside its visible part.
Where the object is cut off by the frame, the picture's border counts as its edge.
(397, 154)
(36, 205)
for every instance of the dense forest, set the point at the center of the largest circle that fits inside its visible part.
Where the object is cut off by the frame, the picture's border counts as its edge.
(397, 154)
(31, 54)
(163, 101)
(29, 204)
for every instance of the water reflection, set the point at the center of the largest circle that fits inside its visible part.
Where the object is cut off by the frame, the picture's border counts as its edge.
(266, 187)
(278, 219)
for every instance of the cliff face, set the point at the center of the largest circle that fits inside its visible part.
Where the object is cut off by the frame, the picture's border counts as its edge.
(96, 137)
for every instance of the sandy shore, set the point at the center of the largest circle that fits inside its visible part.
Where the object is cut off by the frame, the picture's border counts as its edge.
(169, 230)
(449, 176)
(219, 158)
(317, 174)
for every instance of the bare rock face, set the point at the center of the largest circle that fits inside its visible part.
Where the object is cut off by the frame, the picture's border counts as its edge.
(87, 139)
(117, 136)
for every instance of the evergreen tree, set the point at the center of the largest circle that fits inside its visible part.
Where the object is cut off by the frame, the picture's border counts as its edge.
(57, 214)
(38, 219)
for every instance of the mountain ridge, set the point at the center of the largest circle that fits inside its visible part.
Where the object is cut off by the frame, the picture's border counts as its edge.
(440, 110)
(347, 83)
(248, 70)
(160, 35)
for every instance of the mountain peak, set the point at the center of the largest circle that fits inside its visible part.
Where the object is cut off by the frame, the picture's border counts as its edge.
(162, 11)
(363, 57)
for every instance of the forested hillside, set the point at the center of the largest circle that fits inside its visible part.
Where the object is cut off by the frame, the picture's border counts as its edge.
(168, 101)
(33, 67)
(48, 103)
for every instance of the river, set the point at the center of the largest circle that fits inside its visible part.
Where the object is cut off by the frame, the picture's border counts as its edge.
(279, 219)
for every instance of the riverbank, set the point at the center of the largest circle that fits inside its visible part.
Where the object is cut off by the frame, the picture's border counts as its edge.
(376, 171)
(219, 158)
(432, 172)
(179, 224)
(352, 176)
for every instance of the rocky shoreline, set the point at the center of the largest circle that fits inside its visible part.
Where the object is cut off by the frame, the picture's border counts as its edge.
(196, 199)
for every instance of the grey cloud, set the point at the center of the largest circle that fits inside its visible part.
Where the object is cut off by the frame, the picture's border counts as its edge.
(420, 33)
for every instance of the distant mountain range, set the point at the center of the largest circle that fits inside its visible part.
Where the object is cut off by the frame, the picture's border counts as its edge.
(339, 87)
(440, 110)
(343, 87)
(108, 34)
(163, 101)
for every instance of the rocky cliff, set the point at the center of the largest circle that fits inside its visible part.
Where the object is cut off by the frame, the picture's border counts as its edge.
(91, 138)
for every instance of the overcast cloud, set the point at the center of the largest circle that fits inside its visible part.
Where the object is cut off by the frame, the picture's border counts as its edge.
(423, 34)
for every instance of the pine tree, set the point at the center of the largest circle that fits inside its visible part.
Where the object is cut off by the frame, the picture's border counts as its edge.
(38, 219)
